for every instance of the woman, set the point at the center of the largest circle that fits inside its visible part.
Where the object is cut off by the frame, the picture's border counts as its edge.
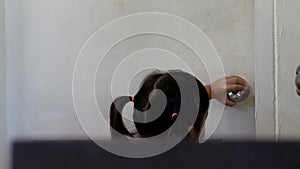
(172, 84)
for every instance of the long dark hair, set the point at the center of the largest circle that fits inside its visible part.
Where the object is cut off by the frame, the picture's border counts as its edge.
(168, 85)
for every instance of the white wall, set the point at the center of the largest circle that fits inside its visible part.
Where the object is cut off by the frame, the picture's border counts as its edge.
(277, 40)
(2, 91)
(44, 39)
(288, 58)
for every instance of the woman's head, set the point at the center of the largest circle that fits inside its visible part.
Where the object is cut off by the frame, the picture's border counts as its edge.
(171, 84)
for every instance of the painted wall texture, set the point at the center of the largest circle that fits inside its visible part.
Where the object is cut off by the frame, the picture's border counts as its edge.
(44, 39)
(288, 40)
(2, 91)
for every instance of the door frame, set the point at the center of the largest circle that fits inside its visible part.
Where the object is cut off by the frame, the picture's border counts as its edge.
(266, 69)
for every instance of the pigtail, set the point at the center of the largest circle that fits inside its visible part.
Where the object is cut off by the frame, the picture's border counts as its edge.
(142, 107)
(116, 121)
(203, 107)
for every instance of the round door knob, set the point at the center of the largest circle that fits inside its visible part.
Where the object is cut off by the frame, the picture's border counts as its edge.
(239, 96)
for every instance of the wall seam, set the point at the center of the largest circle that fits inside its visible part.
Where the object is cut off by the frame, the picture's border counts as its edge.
(276, 66)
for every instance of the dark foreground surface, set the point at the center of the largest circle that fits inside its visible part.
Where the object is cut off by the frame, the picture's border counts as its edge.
(214, 155)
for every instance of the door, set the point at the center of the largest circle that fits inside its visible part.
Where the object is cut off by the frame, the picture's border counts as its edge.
(44, 39)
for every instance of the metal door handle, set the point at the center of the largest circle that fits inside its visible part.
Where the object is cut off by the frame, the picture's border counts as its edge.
(239, 96)
(297, 80)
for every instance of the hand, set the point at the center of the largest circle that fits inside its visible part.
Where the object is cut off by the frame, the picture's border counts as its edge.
(219, 88)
